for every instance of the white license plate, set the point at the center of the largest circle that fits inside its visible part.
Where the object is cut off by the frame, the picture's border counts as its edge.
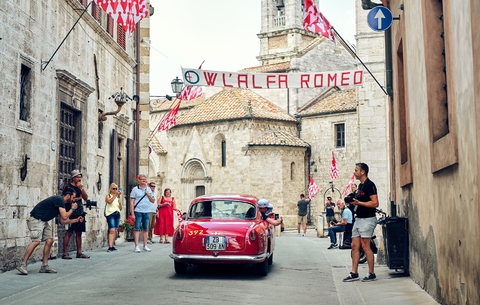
(216, 243)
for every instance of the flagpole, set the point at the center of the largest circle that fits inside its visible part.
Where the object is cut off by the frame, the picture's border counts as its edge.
(61, 43)
(154, 132)
(355, 53)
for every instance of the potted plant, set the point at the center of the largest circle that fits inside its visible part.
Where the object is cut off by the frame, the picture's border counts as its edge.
(127, 225)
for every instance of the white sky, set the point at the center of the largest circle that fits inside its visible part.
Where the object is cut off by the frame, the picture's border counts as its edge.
(221, 32)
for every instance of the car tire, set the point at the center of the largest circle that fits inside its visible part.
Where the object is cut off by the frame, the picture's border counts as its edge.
(262, 268)
(270, 259)
(180, 268)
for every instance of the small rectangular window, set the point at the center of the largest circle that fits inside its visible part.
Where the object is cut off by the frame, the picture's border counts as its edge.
(110, 23)
(224, 153)
(340, 135)
(25, 94)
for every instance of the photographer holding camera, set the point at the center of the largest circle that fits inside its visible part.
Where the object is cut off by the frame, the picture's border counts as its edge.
(78, 228)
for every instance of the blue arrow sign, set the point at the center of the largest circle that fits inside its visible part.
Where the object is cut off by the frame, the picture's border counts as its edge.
(379, 18)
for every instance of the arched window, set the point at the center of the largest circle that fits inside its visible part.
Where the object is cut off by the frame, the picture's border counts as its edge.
(224, 153)
(292, 171)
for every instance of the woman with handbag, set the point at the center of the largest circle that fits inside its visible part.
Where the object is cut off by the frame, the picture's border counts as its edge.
(113, 206)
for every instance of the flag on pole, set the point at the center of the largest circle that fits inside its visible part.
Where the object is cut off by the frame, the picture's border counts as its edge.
(315, 22)
(127, 13)
(312, 188)
(191, 92)
(333, 168)
(170, 119)
(346, 190)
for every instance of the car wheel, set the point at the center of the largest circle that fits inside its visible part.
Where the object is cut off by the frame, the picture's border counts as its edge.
(262, 268)
(180, 268)
(270, 259)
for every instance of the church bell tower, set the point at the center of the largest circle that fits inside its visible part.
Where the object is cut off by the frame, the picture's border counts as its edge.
(282, 34)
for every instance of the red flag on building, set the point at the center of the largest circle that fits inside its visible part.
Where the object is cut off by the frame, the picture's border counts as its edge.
(312, 188)
(346, 190)
(333, 168)
(170, 118)
(315, 22)
(127, 13)
(191, 92)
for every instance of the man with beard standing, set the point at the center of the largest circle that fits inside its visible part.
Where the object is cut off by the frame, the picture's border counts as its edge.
(40, 229)
(78, 228)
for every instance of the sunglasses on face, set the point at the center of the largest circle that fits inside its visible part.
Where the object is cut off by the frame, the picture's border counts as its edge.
(114, 188)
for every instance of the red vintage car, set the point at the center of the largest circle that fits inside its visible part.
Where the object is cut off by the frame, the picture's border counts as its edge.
(223, 229)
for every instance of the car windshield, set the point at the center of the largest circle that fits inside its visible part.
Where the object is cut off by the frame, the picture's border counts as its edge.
(222, 208)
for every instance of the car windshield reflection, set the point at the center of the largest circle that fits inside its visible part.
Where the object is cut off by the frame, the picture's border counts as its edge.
(222, 209)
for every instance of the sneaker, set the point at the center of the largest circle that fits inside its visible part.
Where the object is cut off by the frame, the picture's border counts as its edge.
(47, 269)
(298, 234)
(114, 249)
(137, 249)
(333, 246)
(109, 250)
(303, 234)
(370, 277)
(149, 241)
(352, 277)
(147, 249)
(22, 269)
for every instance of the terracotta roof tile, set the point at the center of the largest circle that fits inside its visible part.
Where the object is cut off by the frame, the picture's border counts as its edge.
(163, 104)
(233, 103)
(332, 100)
(156, 146)
(278, 138)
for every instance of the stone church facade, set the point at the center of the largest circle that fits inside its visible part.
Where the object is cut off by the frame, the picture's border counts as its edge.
(320, 121)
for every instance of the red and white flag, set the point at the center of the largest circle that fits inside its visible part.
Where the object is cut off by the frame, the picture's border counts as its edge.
(170, 119)
(315, 22)
(346, 190)
(191, 92)
(333, 168)
(127, 13)
(312, 188)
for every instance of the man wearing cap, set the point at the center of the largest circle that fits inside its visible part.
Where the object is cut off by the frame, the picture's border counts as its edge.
(263, 207)
(40, 229)
(78, 228)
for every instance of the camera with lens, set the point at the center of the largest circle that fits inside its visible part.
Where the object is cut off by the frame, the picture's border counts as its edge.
(349, 199)
(90, 203)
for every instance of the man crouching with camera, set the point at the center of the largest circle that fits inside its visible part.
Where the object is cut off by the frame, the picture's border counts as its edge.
(78, 228)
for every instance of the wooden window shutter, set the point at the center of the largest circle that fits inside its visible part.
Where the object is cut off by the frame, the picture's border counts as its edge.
(114, 164)
(97, 12)
(110, 22)
(121, 36)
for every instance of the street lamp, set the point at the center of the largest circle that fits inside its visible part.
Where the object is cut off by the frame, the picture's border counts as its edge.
(120, 99)
(177, 85)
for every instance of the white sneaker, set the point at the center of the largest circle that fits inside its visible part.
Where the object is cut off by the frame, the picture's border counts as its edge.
(298, 234)
(147, 249)
(137, 249)
(303, 235)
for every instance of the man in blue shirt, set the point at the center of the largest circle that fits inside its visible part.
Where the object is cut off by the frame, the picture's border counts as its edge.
(344, 225)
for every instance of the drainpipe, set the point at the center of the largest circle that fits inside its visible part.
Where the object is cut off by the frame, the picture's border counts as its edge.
(388, 61)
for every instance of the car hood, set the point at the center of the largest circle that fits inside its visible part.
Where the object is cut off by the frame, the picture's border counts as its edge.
(234, 231)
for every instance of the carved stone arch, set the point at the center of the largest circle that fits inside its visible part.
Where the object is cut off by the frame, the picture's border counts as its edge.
(195, 178)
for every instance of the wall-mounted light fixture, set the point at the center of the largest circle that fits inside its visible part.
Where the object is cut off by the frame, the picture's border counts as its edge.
(120, 99)
(177, 85)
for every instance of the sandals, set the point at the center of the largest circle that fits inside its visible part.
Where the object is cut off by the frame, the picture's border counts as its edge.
(81, 255)
(66, 256)
(161, 241)
(167, 242)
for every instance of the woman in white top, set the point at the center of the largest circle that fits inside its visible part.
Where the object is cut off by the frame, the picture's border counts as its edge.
(113, 206)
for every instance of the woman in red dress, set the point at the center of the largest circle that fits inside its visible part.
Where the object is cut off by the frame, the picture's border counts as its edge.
(164, 224)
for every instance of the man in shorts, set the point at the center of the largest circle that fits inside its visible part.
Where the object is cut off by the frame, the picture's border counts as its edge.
(302, 214)
(40, 230)
(366, 201)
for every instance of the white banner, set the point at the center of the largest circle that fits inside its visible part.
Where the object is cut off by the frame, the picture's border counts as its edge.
(197, 77)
